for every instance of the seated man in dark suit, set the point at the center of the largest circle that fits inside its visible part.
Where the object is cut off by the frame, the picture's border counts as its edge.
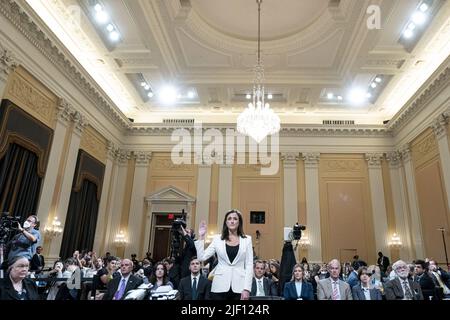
(37, 263)
(261, 285)
(423, 278)
(118, 287)
(402, 288)
(195, 286)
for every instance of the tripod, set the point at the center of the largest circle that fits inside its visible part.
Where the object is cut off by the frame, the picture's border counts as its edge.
(442, 230)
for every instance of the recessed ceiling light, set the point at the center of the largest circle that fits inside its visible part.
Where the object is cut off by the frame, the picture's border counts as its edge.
(368, 95)
(150, 94)
(270, 96)
(378, 80)
(373, 85)
(147, 87)
(339, 97)
(419, 17)
(423, 7)
(191, 94)
(98, 7)
(143, 84)
(408, 33)
(411, 26)
(101, 17)
(330, 95)
(114, 36)
(168, 95)
(110, 27)
(248, 96)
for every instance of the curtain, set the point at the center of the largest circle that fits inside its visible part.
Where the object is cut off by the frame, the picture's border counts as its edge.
(81, 221)
(19, 182)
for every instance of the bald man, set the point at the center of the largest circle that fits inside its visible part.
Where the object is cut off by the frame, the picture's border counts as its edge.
(118, 287)
(333, 288)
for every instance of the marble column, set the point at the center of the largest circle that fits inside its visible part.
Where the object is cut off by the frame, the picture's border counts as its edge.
(66, 187)
(137, 214)
(8, 63)
(102, 219)
(378, 201)
(225, 189)
(414, 211)
(203, 194)
(440, 129)
(63, 115)
(290, 188)
(400, 201)
(313, 206)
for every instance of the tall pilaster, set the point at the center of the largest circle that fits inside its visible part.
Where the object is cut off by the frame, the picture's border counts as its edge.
(440, 130)
(290, 188)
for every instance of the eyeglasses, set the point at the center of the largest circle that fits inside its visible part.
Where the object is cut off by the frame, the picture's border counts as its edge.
(22, 266)
(401, 268)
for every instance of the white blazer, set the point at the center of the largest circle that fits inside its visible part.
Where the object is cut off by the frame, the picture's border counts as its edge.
(238, 274)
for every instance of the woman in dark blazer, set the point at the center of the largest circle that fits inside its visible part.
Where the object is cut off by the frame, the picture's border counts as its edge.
(363, 288)
(16, 285)
(298, 288)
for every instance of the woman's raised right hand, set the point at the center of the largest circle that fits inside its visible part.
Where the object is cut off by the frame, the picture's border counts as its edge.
(202, 229)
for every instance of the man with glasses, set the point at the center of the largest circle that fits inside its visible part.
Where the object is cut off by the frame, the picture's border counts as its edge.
(402, 288)
(118, 287)
(25, 242)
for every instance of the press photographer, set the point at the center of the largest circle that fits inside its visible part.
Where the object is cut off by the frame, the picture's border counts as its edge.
(24, 243)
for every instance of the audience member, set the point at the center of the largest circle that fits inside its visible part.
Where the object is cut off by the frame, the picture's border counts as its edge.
(402, 288)
(333, 288)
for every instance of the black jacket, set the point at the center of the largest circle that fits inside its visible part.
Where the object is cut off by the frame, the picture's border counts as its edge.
(7, 291)
(394, 291)
(270, 288)
(203, 288)
(37, 263)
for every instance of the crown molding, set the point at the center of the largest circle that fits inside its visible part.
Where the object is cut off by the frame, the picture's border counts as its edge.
(439, 81)
(30, 25)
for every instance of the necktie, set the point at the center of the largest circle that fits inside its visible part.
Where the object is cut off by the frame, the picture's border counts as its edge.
(408, 294)
(260, 288)
(335, 295)
(441, 284)
(194, 289)
(120, 292)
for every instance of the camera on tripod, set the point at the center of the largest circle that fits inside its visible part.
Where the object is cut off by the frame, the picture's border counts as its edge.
(294, 233)
(8, 225)
(175, 246)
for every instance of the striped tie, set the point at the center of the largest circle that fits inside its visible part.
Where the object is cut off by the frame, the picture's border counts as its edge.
(335, 295)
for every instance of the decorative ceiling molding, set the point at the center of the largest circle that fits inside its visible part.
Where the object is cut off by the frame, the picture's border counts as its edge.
(439, 81)
(54, 51)
(156, 129)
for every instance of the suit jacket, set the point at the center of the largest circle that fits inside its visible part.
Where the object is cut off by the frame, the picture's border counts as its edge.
(383, 263)
(352, 279)
(37, 263)
(203, 288)
(270, 289)
(113, 286)
(290, 291)
(358, 293)
(325, 290)
(394, 291)
(7, 291)
(239, 274)
(427, 285)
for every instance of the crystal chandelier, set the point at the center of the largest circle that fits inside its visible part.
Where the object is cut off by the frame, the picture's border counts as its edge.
(258, 120)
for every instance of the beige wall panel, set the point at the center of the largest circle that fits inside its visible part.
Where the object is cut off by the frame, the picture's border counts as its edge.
(433, 209)
(424, 148)
(94, 143)
(346, 214)
(127, 195)
(214, 199)
(32, 96)
(301, 194)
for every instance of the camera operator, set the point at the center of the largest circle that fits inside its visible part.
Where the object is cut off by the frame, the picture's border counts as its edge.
(24, 243)
(188, 251)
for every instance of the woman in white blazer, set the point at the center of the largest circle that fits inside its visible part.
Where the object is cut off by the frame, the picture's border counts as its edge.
(234, 272)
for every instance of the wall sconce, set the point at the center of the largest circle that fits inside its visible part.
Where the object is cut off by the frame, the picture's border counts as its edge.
(120, 240)
(55, 229)
(395, 242)
(304, 242)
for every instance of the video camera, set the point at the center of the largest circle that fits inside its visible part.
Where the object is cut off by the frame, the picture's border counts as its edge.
(8, 225)
(175, 246)
(294, 233)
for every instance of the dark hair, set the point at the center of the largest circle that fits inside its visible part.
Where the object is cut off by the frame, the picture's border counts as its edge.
(36, 221)
(363, 270)
(14, 260)
(165, 276)
(260, 262)
(193, 258)
(240, 231)
(422, 263)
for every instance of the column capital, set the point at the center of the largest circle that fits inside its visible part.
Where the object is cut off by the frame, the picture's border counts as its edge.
(393, 158)
(290, 159)
(80, 122)
(123, 156)
(405, 152)
(439, 126)
(111, 150)
(311, 158)
(8, 62)
(142, 158)
(64, 111)
(374, 159)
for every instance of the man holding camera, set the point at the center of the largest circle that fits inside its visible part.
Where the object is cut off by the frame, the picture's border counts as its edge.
(25, 242)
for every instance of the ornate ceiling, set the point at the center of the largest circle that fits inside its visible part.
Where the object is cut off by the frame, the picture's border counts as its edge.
(207, 49)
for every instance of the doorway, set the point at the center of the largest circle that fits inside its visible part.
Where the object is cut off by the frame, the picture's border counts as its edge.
(160, 240)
